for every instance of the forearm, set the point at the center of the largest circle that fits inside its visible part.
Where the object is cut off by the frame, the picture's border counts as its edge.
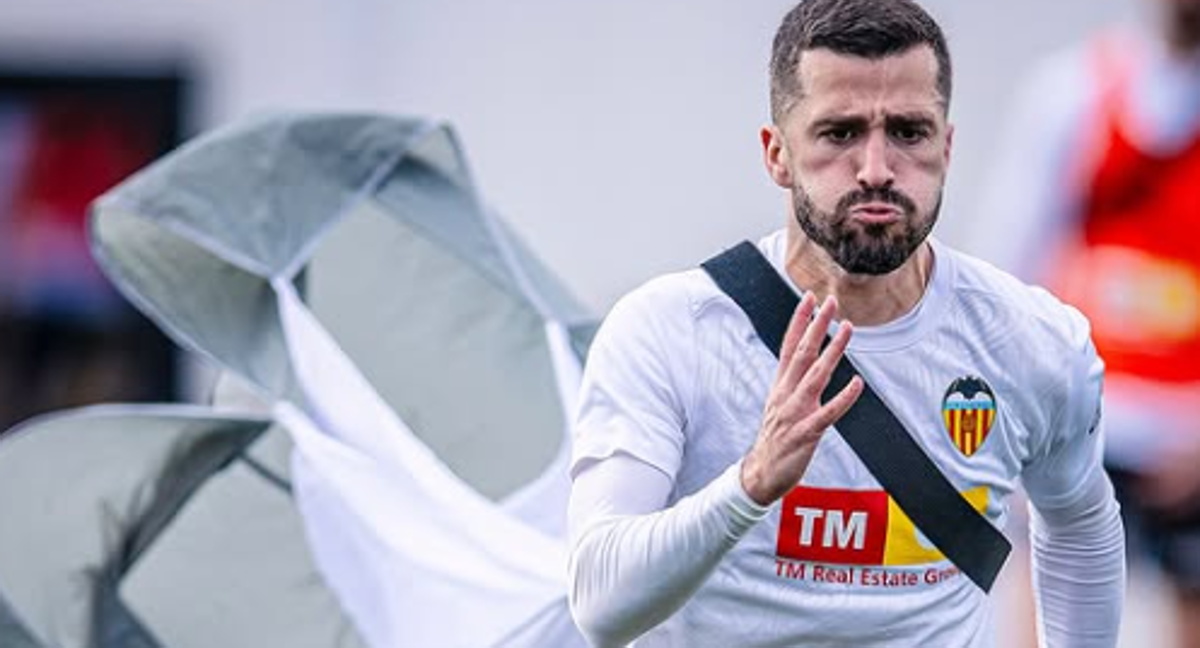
(1079, 568)
(630, 572)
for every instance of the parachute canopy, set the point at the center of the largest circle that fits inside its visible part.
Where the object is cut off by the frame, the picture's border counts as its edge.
(393, 456)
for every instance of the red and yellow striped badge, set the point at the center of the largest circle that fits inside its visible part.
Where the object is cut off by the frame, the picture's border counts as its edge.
(969, 410)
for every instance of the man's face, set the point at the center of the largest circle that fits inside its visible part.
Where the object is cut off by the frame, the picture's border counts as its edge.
(864, 151)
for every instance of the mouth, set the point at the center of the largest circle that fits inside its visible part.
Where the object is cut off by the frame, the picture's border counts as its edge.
(876, 213)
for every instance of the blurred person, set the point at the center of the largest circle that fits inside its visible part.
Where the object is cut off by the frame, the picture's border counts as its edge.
(711, 507)
(1097, 194)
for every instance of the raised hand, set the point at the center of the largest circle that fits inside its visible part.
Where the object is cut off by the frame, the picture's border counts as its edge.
(794, 418)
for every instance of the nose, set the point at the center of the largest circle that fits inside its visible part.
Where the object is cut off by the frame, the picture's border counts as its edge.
(875, 169)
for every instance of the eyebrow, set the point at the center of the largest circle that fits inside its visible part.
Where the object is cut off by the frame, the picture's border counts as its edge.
(846, 121)
(858, 122)
(918, 119)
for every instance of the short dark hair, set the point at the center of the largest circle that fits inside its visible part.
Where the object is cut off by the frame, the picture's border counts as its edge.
(869, 28)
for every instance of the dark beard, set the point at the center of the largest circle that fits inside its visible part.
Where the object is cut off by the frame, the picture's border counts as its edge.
(868, 249)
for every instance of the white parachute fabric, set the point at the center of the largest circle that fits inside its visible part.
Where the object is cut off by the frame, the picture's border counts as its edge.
(343, 266)
(362, 472)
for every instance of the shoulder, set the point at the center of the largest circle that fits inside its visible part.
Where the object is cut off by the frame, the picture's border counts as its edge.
(1057, 103)
(1072, 65)
(1062, 85)
(687, 296)
(1020, 319)
(672, 296)
(657, 317)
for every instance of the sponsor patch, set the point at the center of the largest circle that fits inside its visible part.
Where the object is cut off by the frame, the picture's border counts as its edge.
(855, 527)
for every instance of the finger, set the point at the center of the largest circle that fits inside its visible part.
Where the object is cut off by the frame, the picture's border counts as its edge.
(835, 408)
(818, 421)
(817, 377)
(795, 331)
(820, 324)
(809, 348)
(809, 344)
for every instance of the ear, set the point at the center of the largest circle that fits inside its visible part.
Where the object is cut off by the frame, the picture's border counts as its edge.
(949, 142)
(775, 156)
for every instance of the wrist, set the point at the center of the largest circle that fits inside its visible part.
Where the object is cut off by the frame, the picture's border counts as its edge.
(752, 485)
(743, 512)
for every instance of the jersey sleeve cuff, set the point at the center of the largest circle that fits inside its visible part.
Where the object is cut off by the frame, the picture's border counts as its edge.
(741, 512)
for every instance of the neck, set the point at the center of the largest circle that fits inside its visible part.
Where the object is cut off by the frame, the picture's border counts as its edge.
(863, 300)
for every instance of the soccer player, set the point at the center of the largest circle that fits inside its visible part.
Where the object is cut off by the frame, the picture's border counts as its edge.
(714, 502)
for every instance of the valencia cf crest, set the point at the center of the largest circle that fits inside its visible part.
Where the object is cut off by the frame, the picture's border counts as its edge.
(968, 410)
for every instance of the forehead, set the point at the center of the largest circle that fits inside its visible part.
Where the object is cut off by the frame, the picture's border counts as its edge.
(834, 83)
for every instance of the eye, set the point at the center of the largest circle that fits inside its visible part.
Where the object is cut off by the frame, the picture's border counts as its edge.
(910, 134)
(839, 134)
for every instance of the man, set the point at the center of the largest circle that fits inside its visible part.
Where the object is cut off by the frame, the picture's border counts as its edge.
(690, 434)
(1098, 191)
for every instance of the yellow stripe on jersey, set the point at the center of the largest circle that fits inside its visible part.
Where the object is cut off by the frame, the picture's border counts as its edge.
(905, 546)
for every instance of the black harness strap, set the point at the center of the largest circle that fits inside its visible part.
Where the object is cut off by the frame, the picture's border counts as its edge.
(870, 428)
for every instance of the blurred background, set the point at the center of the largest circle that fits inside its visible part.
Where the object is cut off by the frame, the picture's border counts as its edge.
(618, 138)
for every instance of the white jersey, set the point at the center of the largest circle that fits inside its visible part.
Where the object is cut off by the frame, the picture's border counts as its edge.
(997, 382)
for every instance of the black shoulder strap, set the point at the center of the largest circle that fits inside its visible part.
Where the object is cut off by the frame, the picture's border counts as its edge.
(870, 428)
